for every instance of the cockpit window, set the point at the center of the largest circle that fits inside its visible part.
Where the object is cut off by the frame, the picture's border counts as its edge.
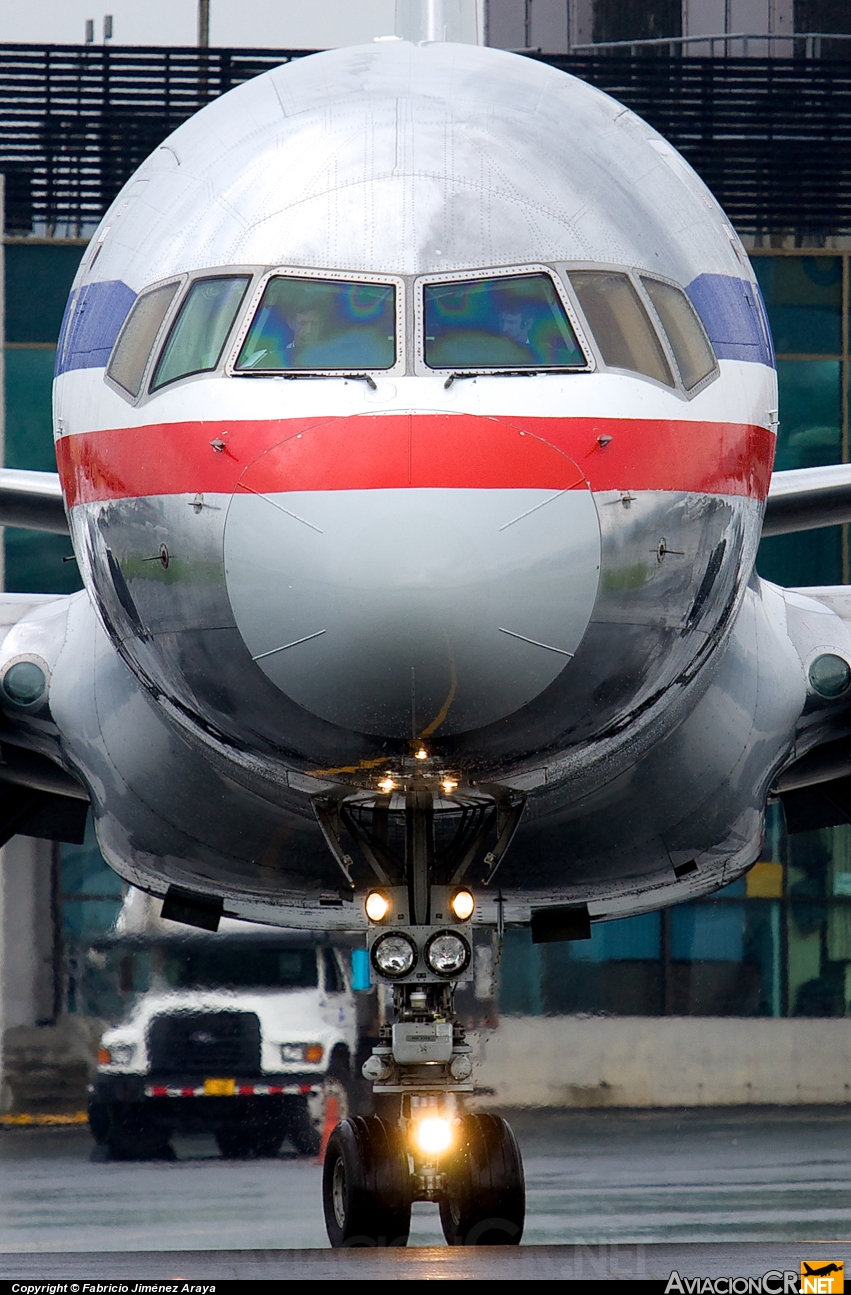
(688, 341)
(200, 331)
(321, 324)
(130, 355)
(512, 322)
(620, 324)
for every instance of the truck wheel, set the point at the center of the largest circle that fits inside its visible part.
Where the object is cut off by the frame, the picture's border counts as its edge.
(241, 1144)
(310, 1117)
(127, 1132)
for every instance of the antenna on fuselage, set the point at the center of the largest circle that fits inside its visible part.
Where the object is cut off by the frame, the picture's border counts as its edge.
(461, 21)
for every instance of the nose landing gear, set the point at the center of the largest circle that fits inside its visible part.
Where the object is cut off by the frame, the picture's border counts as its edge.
(420, 942)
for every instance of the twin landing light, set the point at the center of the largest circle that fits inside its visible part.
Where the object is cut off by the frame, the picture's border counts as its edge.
(462, 905)
(396, 954)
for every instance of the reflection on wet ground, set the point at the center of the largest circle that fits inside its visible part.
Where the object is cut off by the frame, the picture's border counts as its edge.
(757, 1175)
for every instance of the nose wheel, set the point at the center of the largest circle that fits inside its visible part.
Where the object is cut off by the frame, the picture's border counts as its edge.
(484, 1201)
(366, 1185)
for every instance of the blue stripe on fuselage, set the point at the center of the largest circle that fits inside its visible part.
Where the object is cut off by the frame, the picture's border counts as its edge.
(733, 315)
(92, 321)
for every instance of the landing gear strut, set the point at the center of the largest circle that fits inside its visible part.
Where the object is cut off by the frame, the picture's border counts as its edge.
(420, 942)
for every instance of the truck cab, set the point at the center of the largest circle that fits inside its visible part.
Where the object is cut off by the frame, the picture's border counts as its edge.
(249, 1033)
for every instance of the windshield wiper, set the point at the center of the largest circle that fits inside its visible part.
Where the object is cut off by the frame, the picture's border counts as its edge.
(356, 377)
(507, 373)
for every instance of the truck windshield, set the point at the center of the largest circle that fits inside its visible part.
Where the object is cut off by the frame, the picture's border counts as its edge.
(216, 966)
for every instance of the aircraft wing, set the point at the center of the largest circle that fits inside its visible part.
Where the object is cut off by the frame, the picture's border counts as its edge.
(806, 499)
(32, 499)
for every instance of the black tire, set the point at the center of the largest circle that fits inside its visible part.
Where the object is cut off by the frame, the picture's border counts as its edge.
(366, 1186)
(485, 1201)
(127, 1132)
(242, 1144)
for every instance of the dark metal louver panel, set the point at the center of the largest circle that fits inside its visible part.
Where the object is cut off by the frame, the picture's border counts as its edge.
(204, 1044)
(771, 137)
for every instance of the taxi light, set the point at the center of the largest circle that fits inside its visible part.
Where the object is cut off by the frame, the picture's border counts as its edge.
(421, 753)
(447, 954)
(377, 906)
(394, 955)
(386, 784)
(463, 905)
(433, 1135)
(313, 1053)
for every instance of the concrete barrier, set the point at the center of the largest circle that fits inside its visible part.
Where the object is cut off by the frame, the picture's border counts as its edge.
(664, 1061)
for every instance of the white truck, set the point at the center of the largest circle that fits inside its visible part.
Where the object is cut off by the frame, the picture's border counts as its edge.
(249, 1033)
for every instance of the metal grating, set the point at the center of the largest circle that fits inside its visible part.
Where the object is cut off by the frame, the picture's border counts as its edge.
(204, 1044)
(769, 136)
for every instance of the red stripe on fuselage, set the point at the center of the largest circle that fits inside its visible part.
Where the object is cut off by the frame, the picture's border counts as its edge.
(394, 451)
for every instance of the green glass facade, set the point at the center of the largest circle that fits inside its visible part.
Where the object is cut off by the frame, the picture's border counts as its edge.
(776, 943)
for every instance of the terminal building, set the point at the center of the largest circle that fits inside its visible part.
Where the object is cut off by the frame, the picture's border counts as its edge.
(722, 999)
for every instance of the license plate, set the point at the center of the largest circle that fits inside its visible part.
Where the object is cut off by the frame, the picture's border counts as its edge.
(219, 1087)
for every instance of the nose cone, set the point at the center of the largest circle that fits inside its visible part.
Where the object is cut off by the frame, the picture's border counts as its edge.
(405, 610)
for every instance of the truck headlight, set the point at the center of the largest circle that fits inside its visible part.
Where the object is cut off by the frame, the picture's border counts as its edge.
(117, 1054)
(295, 1053)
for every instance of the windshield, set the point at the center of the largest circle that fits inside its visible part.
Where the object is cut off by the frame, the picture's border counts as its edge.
(219, 966)
(692, 350)
(512, 322)
(620, 324)
(198, 335)
(321, 324)
(127, 362)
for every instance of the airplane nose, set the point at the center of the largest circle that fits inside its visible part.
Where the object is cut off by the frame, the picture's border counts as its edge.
(402, 610)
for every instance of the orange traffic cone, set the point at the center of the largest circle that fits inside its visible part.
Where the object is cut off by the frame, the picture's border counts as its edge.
(332, 1119)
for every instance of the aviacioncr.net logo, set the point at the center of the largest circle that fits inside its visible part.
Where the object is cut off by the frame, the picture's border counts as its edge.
(774, 1282)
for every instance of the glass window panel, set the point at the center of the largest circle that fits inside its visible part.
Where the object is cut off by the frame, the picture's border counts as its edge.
(333, 979)
(321, 324)
(200, 331)
(127, 362)
(615, 988)
(620, 324)
(803, 296)
(513, 322)
(725, 959)
(810, 434)
(692, 350)
(807, 558)
(810, 410)
(708, 932)
(627, 938)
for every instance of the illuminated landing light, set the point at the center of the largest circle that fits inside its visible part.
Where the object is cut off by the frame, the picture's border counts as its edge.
(386, 784)
(463, 905)
(421, 753)
(449, 785)
(433, 1135)
(377, 906)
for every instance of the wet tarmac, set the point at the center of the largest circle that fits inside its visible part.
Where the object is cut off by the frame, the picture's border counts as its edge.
(609, 1191)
